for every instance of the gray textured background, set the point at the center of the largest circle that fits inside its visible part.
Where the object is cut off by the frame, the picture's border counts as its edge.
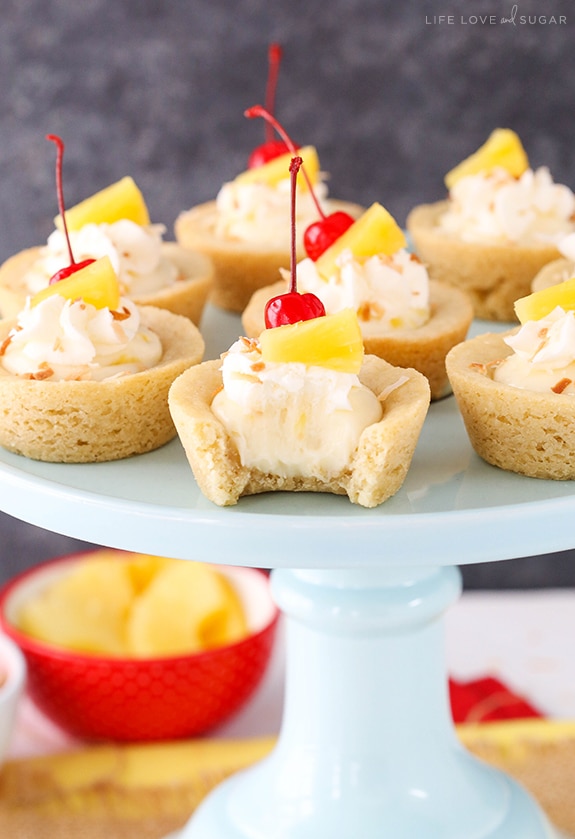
(391, 97)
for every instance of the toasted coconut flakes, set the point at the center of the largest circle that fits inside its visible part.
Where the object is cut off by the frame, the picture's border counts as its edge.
(561, 385)
(370, 310)
(5, 344)
(487, 368)
(249, 343)
(123, 315)
(40, 375)
(257, 366)
(390, 388)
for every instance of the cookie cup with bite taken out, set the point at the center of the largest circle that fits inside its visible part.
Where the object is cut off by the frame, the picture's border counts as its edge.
(375, 472)
(90, 421)
(516, 429)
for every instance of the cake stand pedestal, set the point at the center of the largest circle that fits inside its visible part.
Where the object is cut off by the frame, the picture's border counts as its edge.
(367, 748)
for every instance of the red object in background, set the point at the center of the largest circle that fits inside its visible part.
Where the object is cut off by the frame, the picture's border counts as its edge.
(487, 700)
(97, 697)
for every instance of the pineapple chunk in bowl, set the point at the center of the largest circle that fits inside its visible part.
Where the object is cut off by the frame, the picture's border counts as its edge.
(127, 647)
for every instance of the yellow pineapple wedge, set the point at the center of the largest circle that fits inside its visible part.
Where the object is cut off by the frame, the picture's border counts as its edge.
(187, 607)
(539, 304)
(85, 610)
(121, 200)
(332, 341)
(277, 170)
(374, 232)
(503, 148)
(97, 284)
(142, 569)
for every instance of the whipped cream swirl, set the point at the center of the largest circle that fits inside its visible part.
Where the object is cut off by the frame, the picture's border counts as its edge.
(135, 253)
(292, 419)
(566, 247)
(387, 292)
(543, 356)
(61, 340)
(259, 212)
(497, 208)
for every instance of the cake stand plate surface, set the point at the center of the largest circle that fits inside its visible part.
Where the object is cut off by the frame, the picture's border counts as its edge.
(367, 748)
(452, 509)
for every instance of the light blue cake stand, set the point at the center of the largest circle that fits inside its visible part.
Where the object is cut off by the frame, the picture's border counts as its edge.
(367, 748)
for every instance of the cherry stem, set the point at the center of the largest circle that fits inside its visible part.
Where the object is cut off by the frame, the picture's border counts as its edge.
(275, 54)
(59, 189)
(260, 111)
(294, 168)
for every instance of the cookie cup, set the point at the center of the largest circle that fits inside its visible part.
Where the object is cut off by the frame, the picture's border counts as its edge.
(187, 296)
(90, 421)
(516, 429)
(377, 468)
(494, 276)
(423, 348)
(240, 268)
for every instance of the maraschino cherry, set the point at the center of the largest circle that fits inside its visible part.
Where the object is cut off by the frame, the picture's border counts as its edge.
(271, 148)
(292, 306)
(73, 266)
(322, 233)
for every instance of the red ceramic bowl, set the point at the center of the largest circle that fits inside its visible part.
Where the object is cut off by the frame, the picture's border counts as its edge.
(131, 699)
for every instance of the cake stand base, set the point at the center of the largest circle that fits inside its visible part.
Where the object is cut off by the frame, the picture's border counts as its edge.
(367, 748)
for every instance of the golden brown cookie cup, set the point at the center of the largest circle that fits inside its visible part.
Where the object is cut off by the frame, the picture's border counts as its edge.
(90, 421)
(423, 348)
(494, 276)
(516, 429)
(240, 268)
(377, 469)
(187, 296)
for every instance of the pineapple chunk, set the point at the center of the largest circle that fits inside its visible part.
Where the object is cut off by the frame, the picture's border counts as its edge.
(85, 610)
(122, 200)
(142, 569)
(136, 605)
(539, 304)
(277, 169)
(502, 148)
(97, 284)
(188, 607)
(332, 341)
(374, 232)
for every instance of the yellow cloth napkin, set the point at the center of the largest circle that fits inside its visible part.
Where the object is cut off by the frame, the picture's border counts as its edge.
(146, 791)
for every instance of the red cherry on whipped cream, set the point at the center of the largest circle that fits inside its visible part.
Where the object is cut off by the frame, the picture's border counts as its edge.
(292, 306)
(73, 266)
(271, 148)
(322, 233)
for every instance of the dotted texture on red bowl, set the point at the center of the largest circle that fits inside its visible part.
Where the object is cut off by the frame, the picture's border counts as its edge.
(145, 701)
